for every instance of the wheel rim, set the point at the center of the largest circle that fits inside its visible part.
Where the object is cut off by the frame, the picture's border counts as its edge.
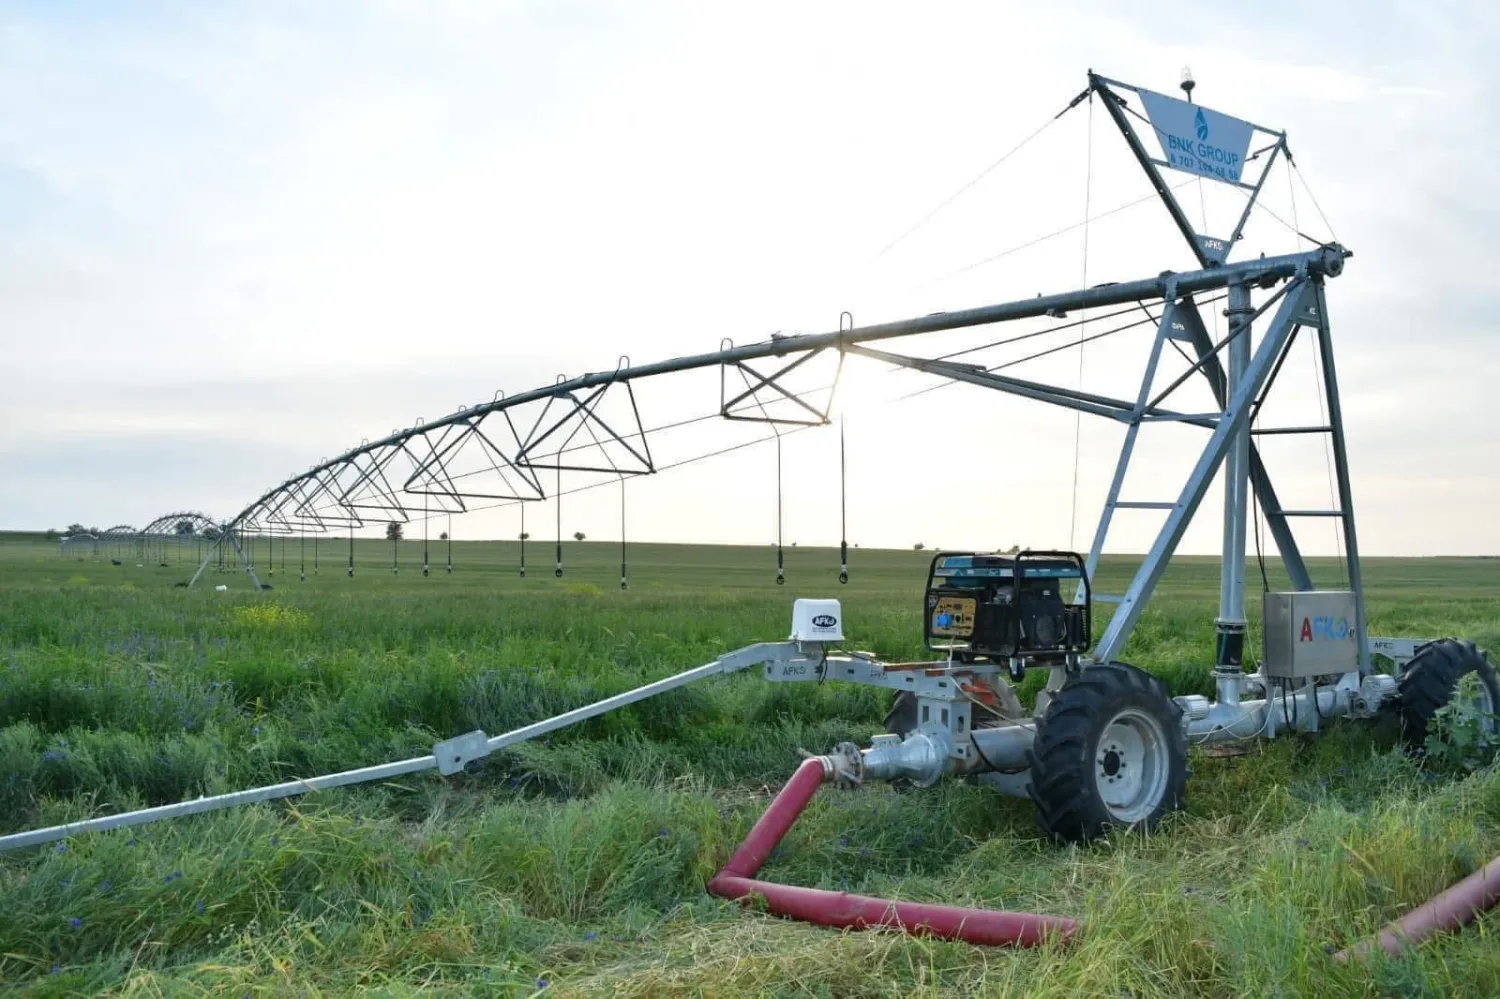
(1131, 765)
(1475, 695)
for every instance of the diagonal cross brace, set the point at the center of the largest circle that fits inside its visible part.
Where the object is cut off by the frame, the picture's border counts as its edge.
(1236, 412)
(772, 381)
(585, 411)
(1265, 493)
(1086, 402)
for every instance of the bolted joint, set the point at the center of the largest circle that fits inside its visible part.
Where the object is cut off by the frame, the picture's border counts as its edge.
(845, 766)
(1334, 256)
(456, 753)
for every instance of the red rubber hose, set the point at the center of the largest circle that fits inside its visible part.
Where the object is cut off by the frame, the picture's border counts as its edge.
(858, 912)
(1446, 911)
(773, 825)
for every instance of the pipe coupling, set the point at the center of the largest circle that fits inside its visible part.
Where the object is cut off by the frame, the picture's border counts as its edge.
(918, 758)
(1374, 691)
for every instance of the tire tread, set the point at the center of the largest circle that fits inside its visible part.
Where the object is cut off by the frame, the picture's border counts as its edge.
(1061, 764)
(1429, 680)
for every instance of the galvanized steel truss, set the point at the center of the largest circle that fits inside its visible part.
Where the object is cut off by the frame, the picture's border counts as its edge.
(496, 451)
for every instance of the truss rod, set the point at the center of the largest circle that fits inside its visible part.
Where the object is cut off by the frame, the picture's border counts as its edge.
(1271, 431)
(1112, 103)
(1327, 260)
(1087, 402)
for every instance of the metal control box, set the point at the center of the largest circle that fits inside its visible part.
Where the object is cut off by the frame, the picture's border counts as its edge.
(1309, 634)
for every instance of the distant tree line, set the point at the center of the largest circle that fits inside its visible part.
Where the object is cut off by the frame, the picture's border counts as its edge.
(183, 529)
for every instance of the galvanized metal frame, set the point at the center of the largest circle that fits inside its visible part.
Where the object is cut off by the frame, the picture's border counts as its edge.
(1242, 462)
(1208, 250)
(357, 482)
(359, 485)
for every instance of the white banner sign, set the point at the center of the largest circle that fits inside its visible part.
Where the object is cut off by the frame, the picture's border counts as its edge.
(1197, 139)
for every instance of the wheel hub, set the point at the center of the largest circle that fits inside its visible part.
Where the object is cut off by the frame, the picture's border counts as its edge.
(1131, 765)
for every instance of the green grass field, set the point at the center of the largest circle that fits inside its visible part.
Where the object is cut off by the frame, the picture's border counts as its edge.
(576, 865)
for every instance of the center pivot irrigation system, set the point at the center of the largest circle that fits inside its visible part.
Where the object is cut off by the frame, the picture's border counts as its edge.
(1105, 746)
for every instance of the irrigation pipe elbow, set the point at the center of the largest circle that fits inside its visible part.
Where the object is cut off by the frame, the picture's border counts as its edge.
(736, 881)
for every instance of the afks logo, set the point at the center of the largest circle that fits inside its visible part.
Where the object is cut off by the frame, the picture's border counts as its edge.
(824, 621)
(1324, 628)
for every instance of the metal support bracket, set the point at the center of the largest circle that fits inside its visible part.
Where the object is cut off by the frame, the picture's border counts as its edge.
(458, 752)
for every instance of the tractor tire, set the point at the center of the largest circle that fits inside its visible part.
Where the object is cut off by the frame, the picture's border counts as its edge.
(901, 719)
(1110, 753)
(1429, 680)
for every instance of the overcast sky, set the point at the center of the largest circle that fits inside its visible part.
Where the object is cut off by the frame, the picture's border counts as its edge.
(238, 237)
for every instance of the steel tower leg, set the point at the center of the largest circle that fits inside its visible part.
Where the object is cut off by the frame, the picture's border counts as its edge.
(1230, 626)
(213, 550)
(1341, 467)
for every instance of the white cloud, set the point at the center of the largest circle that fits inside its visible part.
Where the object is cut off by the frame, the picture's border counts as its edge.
(361, 213)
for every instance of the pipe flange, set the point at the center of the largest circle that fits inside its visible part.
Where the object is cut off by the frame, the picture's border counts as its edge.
(846, 765)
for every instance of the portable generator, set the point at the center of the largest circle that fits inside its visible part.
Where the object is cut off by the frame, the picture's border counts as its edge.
(1008, 608)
